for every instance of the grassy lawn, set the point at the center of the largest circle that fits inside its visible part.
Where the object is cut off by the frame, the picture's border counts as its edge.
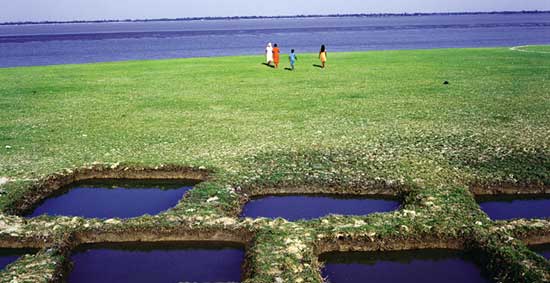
(370, 119)
(388, 107)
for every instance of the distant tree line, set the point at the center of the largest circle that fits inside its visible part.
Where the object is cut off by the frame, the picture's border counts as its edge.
(275, 17)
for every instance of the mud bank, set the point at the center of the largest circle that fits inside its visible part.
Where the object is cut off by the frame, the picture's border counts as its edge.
(510, 189)
(346, 244)
(384, 191)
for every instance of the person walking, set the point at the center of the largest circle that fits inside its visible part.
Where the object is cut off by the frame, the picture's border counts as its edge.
(323, 56)
(276, 53)
(292, 57)
(269, 54)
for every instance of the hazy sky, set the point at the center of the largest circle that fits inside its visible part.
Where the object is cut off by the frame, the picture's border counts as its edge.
(39, 10)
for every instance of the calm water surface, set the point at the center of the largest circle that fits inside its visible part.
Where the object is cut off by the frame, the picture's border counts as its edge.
(28, 45)
(168, 263)
(423, 266)
(8, 256)
(114, 198)
(309, 207)
(544, 250)
(509, 207)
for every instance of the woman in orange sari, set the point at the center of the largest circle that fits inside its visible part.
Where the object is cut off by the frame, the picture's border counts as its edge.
(276, 52)
(323, 56)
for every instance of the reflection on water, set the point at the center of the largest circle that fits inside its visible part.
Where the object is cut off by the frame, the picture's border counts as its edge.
(8, 256)
(543, 250)
(509, 207)
(162, 262)
(114, 198)
(308, 207)
(423, 266)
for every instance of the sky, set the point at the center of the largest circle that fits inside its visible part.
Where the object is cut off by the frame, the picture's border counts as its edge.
(65, 10)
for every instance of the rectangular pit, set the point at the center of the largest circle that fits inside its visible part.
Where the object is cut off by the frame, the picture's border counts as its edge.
(111, 198)
(296, 207)
(422, 266)
(158, 262)
(515, 206)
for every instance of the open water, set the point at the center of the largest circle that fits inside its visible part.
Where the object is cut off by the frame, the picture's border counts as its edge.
(30, 45)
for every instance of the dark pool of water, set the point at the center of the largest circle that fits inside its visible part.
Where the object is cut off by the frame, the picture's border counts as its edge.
(509, 207)
(8, 256)
(293, 207)
(423, 266)
(163, 262)
(543, 250)
(114, 198)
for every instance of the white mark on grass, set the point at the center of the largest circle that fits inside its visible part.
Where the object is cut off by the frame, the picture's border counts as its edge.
(113, 221)
(522, 49)
(4, 180)
(212, 199)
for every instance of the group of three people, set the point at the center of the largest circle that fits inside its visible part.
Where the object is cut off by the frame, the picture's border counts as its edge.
(272, 55)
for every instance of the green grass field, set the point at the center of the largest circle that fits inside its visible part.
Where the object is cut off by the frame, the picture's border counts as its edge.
(381, 117)
(391, 107)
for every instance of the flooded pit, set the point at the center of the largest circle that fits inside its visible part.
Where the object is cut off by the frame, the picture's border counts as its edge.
(159, 262)
(114, 198)
(543, 250)
(296, 207)
(401, 266)
(510, 207)
(8, 256)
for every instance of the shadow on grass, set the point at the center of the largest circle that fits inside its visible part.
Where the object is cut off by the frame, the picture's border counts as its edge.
(268, 65)
(517, 168)
(495, 165)
(318, 66)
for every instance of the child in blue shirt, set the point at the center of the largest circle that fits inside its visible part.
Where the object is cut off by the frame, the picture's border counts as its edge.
(292, 57)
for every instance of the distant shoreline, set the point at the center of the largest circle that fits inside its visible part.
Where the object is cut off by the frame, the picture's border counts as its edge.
(273, 17)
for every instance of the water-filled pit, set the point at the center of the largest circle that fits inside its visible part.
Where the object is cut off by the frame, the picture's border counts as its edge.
(8, 256)
(510, 207)
(114, 198)
(158, 262)
(543, 250)
(296, 207)
(423, 266)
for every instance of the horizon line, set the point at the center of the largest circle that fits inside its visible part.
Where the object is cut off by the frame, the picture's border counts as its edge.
(210, 18)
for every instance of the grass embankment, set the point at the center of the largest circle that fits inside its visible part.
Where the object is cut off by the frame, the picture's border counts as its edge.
(370, 120)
